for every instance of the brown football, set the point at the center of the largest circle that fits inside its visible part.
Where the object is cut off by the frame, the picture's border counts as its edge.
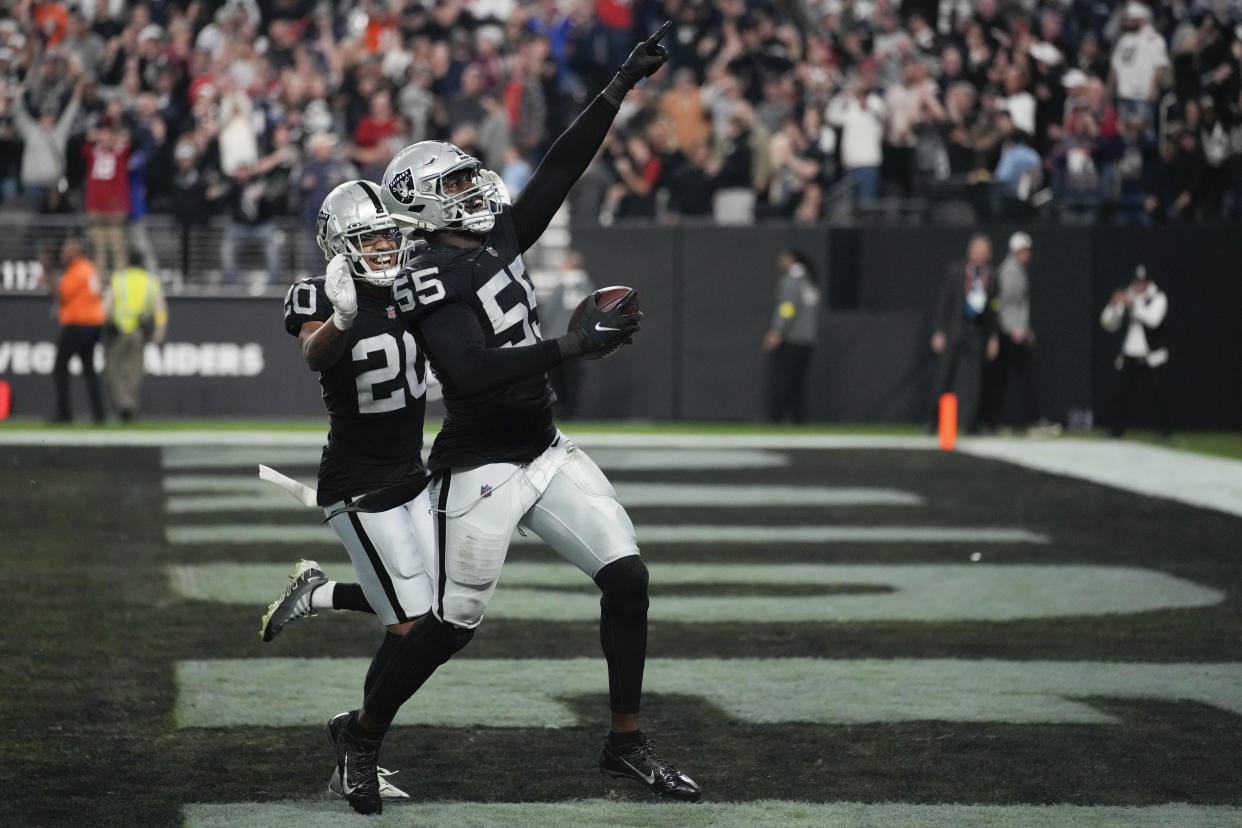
(606, 299)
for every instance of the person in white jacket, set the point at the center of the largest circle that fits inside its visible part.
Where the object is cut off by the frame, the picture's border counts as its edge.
(860, 114)
(1144, 352)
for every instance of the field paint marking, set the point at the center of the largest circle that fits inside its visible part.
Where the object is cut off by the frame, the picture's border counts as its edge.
(226, 456)
(466, 692)
(251, 533)
(902, 592)
(330, 813)
(244, 456)
(244, 496)
(314, 437)
(1196, 479)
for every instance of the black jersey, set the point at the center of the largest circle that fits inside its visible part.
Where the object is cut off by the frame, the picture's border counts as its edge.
(375, 395)
(506, 423)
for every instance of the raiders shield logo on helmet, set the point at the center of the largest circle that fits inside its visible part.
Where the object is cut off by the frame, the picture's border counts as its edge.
(402, 187)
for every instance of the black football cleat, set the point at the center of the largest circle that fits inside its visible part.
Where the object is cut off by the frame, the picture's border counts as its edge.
(357, 762)
(638, 761)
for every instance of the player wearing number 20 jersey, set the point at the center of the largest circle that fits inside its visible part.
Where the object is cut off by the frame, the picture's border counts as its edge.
(375, 394)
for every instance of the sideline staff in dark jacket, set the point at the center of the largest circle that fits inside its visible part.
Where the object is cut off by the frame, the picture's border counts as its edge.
(965, 331)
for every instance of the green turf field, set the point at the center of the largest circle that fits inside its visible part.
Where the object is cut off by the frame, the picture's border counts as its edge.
(903, 637)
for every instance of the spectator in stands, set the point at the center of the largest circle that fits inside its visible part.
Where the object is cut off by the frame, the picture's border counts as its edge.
(316, 176)
(1020, 167)
(188, 199)
(734, 198)
(250, 222)
(1138, 165)
(794, 190)
(1180, 186)
(107, 153)
(693, 187)
(81, 314)
(46, 141)
(683, 106)
(375, 137)
(516, 170)
(860, 115)
(1138, 58)
(909, 105)
(1214, 141)
(964, 333)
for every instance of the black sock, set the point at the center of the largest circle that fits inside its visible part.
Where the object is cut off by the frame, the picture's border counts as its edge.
(350, 597)
(357, 731)
(382, 656)
(627, 737)
(428, 644)
(623, 630)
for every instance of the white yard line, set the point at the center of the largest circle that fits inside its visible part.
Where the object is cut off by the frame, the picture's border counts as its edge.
(1195, 479)
(298, 533)
(1198, 480)
(328, 813)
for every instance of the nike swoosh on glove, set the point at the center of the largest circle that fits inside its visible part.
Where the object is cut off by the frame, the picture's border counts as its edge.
(339, 285)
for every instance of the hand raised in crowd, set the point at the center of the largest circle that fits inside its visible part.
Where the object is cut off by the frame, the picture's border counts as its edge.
(938, 341)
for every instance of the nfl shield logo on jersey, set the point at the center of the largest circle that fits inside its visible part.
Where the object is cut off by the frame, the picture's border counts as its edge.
(392, 312)
(485, 490)
(492, 250)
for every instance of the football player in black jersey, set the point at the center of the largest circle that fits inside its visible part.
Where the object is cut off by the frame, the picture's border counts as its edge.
(499, 462)
(374, 381)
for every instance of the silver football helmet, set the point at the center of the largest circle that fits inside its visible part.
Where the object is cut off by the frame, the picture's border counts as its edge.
(413, 190)
(351, 217)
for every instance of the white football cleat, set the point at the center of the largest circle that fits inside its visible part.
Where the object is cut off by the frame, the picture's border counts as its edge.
(387, 790)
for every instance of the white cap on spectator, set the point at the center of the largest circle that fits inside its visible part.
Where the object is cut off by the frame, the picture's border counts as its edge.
(1073, 78)
(1045, 52)
(1019, 241)
(185, 150)
(1140, 272)
(1139, 11)
(151, 31)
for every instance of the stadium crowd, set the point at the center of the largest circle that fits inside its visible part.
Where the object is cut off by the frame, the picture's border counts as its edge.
(255, 108)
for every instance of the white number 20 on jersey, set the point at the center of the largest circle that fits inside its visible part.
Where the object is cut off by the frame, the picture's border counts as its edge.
(371, 400)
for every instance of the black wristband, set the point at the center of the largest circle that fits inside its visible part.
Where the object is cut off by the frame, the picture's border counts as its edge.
(571, 345)
(616, 90)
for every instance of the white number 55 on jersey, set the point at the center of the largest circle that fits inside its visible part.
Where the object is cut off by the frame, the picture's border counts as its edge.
(426, 289)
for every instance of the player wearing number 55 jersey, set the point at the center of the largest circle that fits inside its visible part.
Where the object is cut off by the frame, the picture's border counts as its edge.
(499, 462)
(374, 386)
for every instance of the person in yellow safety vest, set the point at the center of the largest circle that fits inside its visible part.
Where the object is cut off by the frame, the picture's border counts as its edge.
(137, 314)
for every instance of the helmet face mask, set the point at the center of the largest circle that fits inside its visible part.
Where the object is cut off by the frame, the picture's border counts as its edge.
(353, 219)
(424, 189)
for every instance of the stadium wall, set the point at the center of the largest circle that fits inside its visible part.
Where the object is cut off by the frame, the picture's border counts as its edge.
(707, 292)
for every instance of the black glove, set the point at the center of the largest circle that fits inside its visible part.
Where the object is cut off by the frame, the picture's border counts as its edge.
(643, 62)
(600, 332)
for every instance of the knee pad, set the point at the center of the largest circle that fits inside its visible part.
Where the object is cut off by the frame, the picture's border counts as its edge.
(623, 584)
(443, 640)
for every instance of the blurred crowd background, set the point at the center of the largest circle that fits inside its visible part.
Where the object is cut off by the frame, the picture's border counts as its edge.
(811, 111)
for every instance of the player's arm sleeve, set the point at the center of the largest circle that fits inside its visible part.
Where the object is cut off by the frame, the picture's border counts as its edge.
(564, 164)
(305, 302)
(453, 339)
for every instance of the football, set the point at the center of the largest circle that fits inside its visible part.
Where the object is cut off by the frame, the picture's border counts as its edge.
(606, 299)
